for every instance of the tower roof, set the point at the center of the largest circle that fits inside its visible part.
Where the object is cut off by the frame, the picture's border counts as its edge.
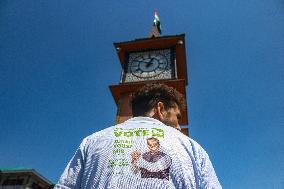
(154, 32)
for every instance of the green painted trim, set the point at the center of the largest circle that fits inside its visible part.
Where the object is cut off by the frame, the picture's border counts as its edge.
(15, 169)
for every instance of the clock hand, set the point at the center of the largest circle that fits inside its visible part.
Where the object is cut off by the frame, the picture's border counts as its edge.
(149, 63)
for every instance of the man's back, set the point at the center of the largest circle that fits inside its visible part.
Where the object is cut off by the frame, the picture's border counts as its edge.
(139, 153)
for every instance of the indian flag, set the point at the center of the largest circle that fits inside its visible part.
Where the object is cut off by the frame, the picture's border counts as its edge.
(157, 22)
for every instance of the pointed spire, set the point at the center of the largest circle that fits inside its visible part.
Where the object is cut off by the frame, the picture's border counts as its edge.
(156, 28)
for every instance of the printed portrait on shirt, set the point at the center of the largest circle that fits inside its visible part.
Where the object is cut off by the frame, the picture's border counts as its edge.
(152, 164)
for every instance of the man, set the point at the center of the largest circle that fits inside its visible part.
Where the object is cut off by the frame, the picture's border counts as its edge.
(111, 158)
(149, 164)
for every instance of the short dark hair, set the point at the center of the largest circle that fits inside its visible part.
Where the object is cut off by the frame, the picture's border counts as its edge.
(149, 95)
(153, 138)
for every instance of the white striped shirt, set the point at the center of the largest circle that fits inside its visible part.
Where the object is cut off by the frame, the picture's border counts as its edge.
(104, 160)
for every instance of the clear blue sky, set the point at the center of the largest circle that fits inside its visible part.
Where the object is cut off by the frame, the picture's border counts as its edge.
(57, 60)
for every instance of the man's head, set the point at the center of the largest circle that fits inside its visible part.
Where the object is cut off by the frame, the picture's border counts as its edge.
(160, 102)
(153, 144)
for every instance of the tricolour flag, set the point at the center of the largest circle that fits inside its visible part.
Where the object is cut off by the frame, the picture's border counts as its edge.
(157, 22)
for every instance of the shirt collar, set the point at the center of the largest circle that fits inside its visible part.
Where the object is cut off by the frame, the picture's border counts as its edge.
(142, 119)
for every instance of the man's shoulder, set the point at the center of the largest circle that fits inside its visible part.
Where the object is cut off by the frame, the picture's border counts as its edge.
(102, 134)
(187, 142)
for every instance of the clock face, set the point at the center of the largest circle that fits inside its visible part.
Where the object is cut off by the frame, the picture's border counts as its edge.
(149, 65)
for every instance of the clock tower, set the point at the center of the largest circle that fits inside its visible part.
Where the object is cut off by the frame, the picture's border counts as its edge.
(159, 59)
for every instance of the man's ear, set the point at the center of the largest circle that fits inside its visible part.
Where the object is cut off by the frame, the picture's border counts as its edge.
(160, 111)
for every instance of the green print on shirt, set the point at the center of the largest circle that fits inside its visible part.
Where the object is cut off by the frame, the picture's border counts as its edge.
(122, 145)
(118, 162)
(119, 145)
(155, 132)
